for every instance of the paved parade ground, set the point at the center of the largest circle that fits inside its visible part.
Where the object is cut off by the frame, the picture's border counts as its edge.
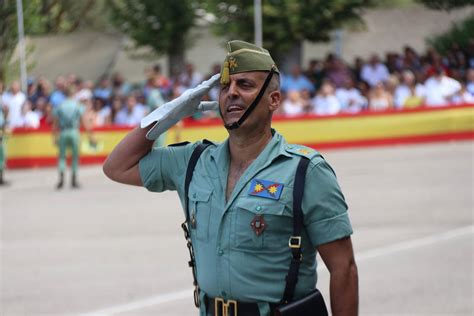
(110, 249)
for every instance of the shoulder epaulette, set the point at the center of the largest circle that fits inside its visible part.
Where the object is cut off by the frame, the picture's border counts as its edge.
(301, 150)
(178, 144)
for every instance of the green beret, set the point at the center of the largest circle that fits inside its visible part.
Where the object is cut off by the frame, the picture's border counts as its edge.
(245, 57)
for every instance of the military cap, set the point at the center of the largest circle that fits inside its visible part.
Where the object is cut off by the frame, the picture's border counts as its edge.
(244, 57)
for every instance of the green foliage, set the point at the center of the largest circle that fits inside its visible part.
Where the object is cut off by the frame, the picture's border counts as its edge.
(446, 4)
(460, 33)
(158, 24)
(42, 17)
(285, 22)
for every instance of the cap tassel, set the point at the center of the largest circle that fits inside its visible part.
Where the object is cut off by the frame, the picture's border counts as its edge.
(225, 74)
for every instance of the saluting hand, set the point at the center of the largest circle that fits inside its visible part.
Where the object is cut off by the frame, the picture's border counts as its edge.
(183, 106)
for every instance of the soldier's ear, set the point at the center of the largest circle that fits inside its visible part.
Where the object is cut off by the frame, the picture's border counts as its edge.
(275, 100)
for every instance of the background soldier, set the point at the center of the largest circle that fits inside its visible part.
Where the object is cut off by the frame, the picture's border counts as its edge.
(67, 120)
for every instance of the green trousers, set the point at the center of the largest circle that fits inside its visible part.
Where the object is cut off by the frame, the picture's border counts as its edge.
(69, 139)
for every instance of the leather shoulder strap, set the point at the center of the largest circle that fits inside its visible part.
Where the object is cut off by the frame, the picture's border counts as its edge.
(190, 170)
(295, 240)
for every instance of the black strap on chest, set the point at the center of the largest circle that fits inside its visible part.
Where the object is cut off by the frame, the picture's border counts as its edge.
(185, 226)
(295, 240)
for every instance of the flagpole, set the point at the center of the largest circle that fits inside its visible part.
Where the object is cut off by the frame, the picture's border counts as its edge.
(21, 44)
(258, 22)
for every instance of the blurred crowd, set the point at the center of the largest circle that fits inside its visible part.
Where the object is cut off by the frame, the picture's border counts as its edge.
(403, 80)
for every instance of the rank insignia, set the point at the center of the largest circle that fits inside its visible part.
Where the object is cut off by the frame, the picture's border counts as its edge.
(258, 224)
(266, 189)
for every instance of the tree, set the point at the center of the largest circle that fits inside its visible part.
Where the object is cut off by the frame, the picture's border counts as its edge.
(446, 4)
(42, 17)
(162, 25)
(286, 23)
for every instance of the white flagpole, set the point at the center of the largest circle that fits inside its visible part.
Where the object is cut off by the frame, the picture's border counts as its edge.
(258, 22)
(21, 44)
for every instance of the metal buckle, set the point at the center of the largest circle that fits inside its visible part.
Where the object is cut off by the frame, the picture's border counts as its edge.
(225, 306)
(294, 242)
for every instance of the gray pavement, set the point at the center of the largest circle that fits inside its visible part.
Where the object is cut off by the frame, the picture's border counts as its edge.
(110, 249)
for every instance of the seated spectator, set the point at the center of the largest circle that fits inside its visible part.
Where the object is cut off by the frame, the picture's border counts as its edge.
(315, 72)
(111, 111)
(154, 99)
(357, 68)
(84, 90)
(295, 81)
(404, 90)
(463, 96)
(374, 71)
(58, 96)
(470, 81)
(413, 99)
(43, 111)
(411, 60)
(440, 89)
(190, 78)
(164, 84)
(215, 90)
(293, 104)
(119, 85)
(103, 90)
(325, 102)
(132, 114)
(337, 72)
(379, 98)
(350, 98)
(28, 118)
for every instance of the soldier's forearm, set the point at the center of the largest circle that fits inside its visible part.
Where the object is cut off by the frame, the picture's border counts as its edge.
(126, 155)
(344, 291)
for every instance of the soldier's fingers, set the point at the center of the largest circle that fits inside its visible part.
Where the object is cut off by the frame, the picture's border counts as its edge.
(205, 86)
(208, 105)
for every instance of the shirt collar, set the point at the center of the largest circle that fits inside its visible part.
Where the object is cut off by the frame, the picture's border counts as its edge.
(274, 148)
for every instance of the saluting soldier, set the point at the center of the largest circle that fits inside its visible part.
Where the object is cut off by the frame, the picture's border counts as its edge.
(258, 209)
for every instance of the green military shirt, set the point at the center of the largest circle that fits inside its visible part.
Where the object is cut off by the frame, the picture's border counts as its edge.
(232, 261)
(69, 114)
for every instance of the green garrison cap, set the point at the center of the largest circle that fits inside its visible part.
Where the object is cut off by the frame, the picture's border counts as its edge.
(244, 57)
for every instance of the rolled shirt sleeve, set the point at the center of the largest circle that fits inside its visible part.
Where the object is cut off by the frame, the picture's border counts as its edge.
(325, 210)
(164, 168)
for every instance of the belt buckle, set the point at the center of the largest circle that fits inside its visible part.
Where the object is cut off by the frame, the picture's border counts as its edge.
(225, 306)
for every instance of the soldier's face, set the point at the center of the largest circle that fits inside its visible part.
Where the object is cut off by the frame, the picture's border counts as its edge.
(236, 97)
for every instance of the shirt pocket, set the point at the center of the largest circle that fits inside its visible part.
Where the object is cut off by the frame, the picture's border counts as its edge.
(200, 206)
(278, 224)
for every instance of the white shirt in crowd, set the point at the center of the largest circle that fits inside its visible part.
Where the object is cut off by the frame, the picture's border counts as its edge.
(292, 108)
(326, 105)
(14, 102)
(374, 74)
(130, 119)
(351, 100)
(463, 97)
(470, 87)
(402, 92)
(83, 94)
(439, 91)
(30, 119)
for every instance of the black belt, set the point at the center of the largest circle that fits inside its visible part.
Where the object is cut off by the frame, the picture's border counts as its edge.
(221, 307)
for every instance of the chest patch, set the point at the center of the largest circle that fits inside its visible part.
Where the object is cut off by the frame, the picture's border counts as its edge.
(266, 189)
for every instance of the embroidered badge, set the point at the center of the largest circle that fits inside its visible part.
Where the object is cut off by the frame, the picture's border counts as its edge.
(232, 63)
(258, 224)
(266, 189)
